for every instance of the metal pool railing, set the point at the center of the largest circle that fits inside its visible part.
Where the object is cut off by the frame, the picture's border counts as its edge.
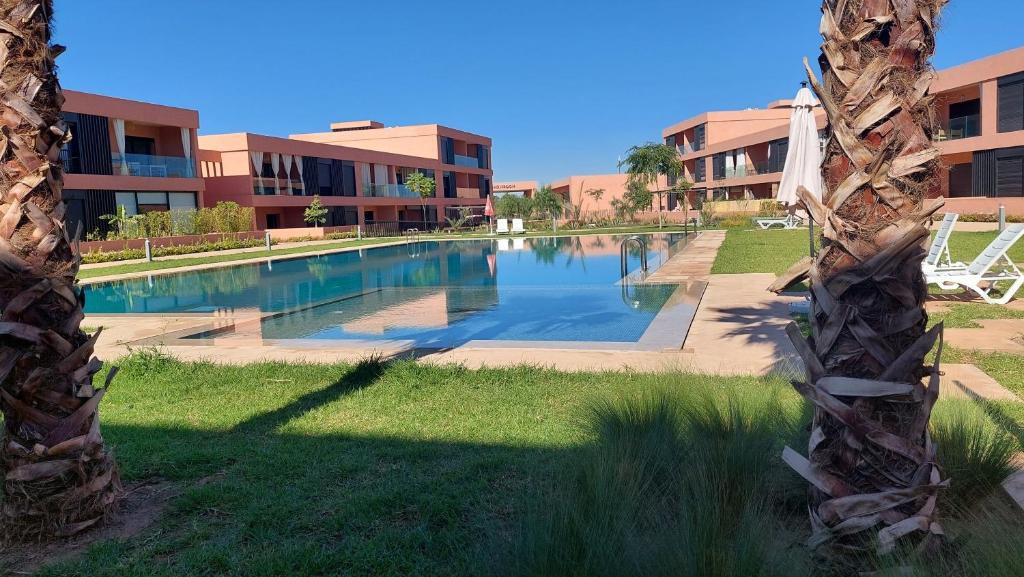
(641, 244)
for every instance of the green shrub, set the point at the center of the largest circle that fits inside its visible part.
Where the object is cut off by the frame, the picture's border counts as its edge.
(93, 257)
(771, 208)
(989, 217)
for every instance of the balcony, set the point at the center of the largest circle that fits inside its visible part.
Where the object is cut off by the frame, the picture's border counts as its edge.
(154, 166)
(389, 191)
(467, 161)
(959, 128)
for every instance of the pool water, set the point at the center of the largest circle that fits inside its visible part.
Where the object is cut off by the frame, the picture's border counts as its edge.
(431, 294)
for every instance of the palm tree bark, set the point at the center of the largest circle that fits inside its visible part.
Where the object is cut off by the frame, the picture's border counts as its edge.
(59, 478)
(871, 463)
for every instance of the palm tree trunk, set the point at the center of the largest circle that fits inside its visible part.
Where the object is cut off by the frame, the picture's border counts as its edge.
(59, 477)
(871, 461)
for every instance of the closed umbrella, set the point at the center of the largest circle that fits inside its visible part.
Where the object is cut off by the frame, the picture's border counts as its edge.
(489, 213)
(803, 159)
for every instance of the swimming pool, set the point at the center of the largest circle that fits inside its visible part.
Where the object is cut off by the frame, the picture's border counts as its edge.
(429, 294)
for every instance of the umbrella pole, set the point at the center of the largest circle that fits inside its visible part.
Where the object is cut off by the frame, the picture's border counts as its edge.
(810, 228)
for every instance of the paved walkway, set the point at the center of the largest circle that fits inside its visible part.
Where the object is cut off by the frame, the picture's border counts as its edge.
(692, 263)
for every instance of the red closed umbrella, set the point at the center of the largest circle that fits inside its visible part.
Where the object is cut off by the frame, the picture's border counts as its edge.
(489, 211)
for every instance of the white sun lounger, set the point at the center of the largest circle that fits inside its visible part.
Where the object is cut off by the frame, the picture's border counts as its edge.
(517, 226)
(502, 226)
(789, 222)
(986, 270)
(938, 254)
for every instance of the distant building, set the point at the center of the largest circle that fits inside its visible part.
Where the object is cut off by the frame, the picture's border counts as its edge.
(525, 188)
(359, 169)
(979, 105)
(125, 153)
(359, 186)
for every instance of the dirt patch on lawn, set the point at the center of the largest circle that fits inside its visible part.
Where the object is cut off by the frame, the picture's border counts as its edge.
(142, 505)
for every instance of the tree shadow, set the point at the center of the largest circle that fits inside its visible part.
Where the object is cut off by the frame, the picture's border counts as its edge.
(362, 375)
(256, 502)
(765, 326)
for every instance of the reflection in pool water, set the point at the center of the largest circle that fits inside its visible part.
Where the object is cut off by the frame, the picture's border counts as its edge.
(435, 294)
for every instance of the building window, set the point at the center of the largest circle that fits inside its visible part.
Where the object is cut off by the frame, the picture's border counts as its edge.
(142, 202)
(324, 177)
(447, 150)
(670, 141)
(699, 137)
(139, 145)
(777, 151)
(718, 166)
(70, 155)
(960, 179)
(1011, 103)
(450, 191)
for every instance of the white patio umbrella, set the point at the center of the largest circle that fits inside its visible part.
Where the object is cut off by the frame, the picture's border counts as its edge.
(803, 159)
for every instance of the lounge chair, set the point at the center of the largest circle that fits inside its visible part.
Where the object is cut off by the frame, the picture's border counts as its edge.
(502, 226)
(518, 243)
(788, 222)
(502, 244)
(984, 270)
(517, 226)
(938, 254)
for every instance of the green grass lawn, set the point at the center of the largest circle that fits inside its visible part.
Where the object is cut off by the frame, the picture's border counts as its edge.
(774, 251)
(405, 469)
(331, 470)
(114, 268)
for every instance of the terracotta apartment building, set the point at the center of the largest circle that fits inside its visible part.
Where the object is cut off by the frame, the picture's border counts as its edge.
(126, 153)
(278, 177)
(979, 106)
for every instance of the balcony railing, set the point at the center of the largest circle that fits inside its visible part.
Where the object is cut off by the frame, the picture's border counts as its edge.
(71, 164)
(389, 191)
(469, 193)
(746, 170)
(265, 187)
(959, 128)
(155, 166)
(467, 161)
(690, 148)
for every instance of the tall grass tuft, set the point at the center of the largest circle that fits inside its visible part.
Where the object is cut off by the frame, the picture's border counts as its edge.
(674, 484)
(975, 453)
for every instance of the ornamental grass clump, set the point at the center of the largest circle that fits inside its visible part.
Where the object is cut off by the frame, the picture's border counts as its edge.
(671, 485)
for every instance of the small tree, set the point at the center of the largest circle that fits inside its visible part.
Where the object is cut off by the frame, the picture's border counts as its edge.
(647, 162)
(637, 198)
(316, 212)
(545, 201)
(425, 187)
(509, 206)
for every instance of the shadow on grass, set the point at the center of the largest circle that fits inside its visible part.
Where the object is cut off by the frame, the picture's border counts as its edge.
(255, 502)
(364, 374)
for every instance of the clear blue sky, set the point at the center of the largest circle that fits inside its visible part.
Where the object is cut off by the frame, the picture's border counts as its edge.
(562, 86)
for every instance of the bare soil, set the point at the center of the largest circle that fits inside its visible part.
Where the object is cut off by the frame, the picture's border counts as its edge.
(141, 507)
